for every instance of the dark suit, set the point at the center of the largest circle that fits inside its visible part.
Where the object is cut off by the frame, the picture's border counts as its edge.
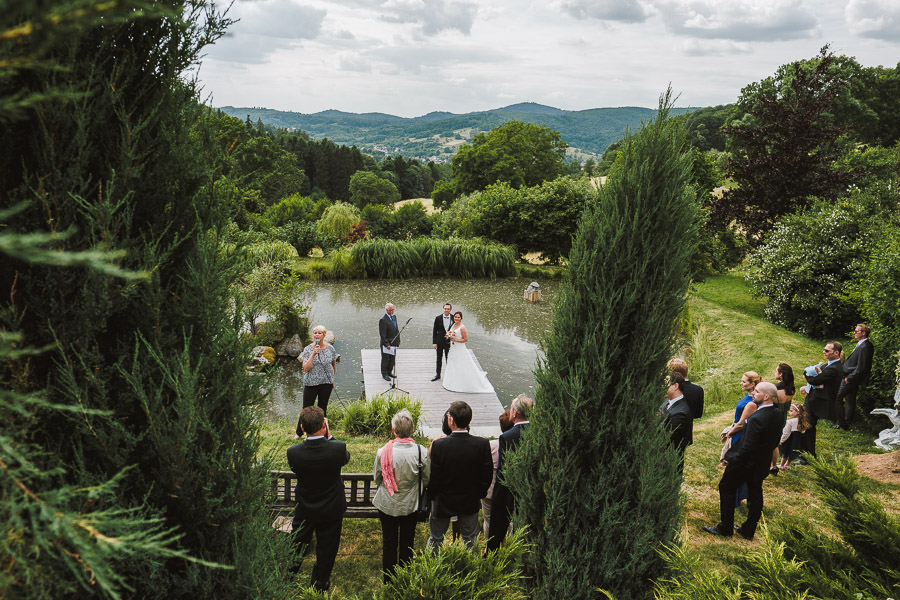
(820, 402)
(856, 373)
(439, 338)
(749, 462)
(320, 501)
(390, 336)
(693, 394)
(503, 502)
(679, 422)
(461, 473)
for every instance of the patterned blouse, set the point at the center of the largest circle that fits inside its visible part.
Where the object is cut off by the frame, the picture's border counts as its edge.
(322, 370)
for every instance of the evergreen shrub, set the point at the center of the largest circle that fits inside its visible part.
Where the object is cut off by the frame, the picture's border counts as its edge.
(455, 573)
(597, 477)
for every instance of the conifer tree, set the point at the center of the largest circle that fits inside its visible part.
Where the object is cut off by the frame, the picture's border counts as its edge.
(145, 418)
(595, 475)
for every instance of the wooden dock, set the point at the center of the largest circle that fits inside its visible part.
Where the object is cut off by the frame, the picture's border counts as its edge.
(415, 368)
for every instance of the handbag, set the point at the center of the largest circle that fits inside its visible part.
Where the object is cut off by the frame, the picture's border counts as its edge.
(423, 510)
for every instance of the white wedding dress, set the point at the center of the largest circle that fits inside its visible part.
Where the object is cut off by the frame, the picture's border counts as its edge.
(462, 374)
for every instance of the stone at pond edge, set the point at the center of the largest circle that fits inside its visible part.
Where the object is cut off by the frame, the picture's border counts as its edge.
(290, 347)
(262, 356)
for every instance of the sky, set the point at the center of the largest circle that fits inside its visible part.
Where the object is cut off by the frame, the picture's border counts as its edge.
(412, 57)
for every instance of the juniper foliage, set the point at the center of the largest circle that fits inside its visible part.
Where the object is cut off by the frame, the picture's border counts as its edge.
(597, 478)
(141, 404)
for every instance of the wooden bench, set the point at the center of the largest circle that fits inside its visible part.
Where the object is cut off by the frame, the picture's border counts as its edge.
(359, 489)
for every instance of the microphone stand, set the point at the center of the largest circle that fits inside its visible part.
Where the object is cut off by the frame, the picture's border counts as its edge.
(394, 374)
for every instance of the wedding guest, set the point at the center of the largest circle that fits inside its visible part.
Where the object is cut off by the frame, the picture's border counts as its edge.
(401, 466)
(319, 361)
(505, 425)
(321, 503)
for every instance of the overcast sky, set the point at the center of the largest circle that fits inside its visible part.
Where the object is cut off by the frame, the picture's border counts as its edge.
(412, 57)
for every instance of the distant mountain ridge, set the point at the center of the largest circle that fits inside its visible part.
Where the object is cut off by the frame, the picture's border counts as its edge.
(437, 135)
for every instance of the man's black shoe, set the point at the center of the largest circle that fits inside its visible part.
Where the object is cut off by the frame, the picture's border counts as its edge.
(800, 461)
(436, 377)
(837, 426)
(716, 531)
(387, 377)
(742, 534)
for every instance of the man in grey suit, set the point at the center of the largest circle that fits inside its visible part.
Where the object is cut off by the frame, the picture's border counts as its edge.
(390, 339)
(693, 393)
(749, 462)
(820, 399)
(856, 373)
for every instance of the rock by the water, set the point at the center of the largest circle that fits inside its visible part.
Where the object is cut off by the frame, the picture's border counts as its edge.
(329, 336)
(291, 347)
(263, 356)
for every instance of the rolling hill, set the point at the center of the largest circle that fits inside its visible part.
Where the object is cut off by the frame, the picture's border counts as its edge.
(437, 135)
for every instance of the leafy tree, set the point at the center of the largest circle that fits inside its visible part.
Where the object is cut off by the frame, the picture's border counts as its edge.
(295, 208)
(537, 219)
(443, 194)
(705, 127)
(412, 220)
(811, 257)
(338, 219)
(784, 146)
(143, 410)
(368, 188)
(261, 165)
(517, 153)
(599, 384)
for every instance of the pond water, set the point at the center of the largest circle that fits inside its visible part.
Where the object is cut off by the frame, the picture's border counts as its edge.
(505, 331)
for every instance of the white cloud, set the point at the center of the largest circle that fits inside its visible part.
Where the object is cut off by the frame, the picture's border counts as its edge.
(432, 16)
(262, 28)
(879, 19)
(694, 47)
(626, 11)
(355, 63)
(739, 20)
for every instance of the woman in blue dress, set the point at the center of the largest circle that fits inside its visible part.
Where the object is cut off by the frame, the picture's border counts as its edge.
(733, 433)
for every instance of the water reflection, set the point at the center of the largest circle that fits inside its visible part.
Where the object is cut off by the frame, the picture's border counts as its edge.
(504, 329)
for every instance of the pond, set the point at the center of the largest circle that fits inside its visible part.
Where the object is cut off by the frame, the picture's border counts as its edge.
(505, 331)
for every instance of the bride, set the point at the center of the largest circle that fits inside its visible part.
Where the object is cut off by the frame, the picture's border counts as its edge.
(461, 373)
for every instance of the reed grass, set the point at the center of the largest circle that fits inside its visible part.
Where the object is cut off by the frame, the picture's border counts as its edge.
(429, 257)
(373, 417)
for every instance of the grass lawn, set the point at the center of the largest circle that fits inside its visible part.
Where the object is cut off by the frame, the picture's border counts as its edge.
(729, 337)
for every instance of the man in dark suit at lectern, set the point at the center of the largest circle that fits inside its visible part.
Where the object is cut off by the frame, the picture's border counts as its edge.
(390, 339)
(320, 497)
(439, 338)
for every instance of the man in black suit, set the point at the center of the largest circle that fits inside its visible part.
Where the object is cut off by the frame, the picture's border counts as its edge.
(461, 473)
(693, 393)
(321, 504)
(503, 502)
(676, 416)
(439, 338)
(749, 462)
(820, 398)
(856, 373)
(390, 339)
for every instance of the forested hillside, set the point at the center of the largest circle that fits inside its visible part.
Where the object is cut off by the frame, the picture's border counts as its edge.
(439, 135)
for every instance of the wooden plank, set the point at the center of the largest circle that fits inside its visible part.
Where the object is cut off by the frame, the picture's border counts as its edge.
(415, 368)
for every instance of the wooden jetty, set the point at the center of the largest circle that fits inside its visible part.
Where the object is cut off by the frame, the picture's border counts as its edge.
(415, 368)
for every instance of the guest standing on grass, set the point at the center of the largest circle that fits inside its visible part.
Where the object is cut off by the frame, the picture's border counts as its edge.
(693, 393)
(784, 375)
(748, 463)
(319, 361)
(401, 466)
(503, 501)
(486, 504)
(461, 472)
(857, 368)
(321, 504)
(820, 399)
(675, 414)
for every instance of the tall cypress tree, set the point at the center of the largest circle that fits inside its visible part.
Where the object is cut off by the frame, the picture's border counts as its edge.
(153, 370)
(596, 477)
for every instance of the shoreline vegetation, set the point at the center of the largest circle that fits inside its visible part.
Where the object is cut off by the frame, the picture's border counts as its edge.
(724, 334)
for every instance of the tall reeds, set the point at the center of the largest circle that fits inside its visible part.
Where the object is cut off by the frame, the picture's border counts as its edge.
(427, 257)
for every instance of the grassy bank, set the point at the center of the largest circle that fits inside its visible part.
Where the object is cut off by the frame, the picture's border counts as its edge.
(729, 336)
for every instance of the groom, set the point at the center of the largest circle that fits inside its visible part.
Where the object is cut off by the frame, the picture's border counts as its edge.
(439, 338)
